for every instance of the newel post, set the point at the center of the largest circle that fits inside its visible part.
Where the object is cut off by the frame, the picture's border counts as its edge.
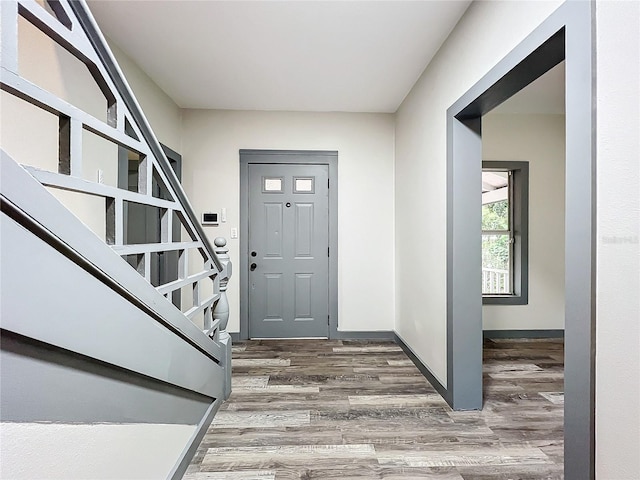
(221, 308)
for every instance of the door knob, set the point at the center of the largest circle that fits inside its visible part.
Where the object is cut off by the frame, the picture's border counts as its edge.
(253, 267)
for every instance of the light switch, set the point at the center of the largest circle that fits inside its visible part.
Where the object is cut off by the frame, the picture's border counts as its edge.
(100, 176)
(234, 233)
(223, 214)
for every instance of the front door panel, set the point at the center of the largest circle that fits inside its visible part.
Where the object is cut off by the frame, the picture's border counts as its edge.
(288, 250)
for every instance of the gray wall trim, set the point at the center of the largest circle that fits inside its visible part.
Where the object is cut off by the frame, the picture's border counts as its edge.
(175, 160)
(542, 50)
(191, 448)
(421, 366)
(567, 33)
(102, 393)
(464, 265)
(318, 157)
(521, 230)
(343, 335)
(523, 333)
(91, 319)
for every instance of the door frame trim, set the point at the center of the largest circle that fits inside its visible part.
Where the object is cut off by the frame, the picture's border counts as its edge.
(283, 157)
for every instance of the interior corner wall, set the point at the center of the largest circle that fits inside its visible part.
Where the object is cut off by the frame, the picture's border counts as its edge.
(483, 36)
(164, 116)
(365, 145)
(539, 140)
(618, 246)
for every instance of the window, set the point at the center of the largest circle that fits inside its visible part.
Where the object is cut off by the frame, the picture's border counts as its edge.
(303, 185)
(505, 232)
(272, 185)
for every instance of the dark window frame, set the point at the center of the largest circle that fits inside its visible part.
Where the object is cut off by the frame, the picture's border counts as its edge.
(519, 211)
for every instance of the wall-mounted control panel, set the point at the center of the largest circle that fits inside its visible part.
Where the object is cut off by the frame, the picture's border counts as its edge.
(210, 218)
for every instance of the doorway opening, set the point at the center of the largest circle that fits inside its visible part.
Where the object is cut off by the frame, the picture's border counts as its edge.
(566, 34)
(523, 258)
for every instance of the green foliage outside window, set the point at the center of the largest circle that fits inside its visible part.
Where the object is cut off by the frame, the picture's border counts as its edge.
(495, 216)
(495, 247)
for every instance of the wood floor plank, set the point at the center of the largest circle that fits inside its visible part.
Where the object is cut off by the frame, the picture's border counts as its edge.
(557, 398)
(264, 419)
(249, 381)
(463, 457)
(338, 409)
(261, 362)
(293, 455)
(386, 401)
(368, 349)
(239, 475)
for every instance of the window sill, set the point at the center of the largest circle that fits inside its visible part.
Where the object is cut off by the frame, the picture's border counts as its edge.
(505, 300)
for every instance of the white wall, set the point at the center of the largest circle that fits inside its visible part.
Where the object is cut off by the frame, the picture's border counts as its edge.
(618, 253)
(539, 140)
(464, 58)
(365, 145)
(58, 451)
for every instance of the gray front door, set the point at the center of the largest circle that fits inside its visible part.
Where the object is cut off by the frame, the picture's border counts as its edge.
(288, 250)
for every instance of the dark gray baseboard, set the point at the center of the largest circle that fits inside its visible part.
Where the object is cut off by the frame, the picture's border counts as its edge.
(422, 367)
(559, 333)
(376, 335)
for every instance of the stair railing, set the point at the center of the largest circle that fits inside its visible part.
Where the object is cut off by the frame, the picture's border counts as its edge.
(201, 271)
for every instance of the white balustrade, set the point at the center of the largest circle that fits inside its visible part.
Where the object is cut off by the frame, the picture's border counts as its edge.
(495, 281)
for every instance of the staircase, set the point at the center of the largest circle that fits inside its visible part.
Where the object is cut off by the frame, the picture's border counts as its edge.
(113, 305)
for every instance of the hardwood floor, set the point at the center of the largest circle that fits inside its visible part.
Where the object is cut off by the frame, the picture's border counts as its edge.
(329, 409)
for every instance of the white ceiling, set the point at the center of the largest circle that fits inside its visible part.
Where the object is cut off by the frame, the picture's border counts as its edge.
(296, 55)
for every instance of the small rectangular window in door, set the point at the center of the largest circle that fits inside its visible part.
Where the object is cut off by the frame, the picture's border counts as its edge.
(272, 185)
(303, 185)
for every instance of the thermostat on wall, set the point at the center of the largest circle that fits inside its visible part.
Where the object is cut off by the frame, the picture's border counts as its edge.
(209, 219)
